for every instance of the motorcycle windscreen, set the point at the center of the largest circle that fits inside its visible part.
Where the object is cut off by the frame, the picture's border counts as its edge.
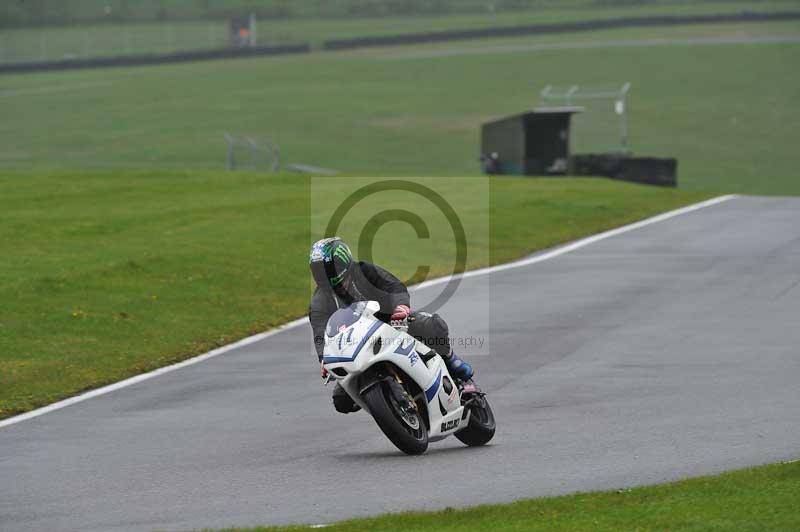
(344, 318)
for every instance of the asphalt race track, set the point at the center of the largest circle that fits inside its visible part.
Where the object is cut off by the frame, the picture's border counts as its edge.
(668, 351)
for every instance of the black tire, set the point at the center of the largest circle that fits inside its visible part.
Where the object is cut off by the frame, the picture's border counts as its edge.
(481, 426)
(387, 416)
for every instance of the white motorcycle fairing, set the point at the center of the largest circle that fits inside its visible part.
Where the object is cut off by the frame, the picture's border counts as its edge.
(354, 344)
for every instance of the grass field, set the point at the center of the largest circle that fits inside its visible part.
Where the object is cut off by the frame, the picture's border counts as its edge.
(758, 499)
(729, 113)
(106, 275)
(52, 43)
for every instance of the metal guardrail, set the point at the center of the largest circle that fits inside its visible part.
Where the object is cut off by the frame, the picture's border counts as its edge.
(258, 154)
(569, 95)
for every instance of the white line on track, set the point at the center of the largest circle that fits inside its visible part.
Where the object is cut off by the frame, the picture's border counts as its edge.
(580, 45)
(296, 323)
(582, 242)
(147, 376)
(8, 93)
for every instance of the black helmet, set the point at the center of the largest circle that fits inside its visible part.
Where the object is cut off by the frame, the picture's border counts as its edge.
(331, 264)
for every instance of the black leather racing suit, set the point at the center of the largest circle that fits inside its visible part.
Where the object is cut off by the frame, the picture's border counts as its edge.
(373, 283)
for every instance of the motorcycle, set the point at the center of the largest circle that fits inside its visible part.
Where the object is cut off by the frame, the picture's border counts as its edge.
(402, 383)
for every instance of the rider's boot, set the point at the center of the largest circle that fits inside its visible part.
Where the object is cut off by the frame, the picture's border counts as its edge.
(458, 368)
(342, 402)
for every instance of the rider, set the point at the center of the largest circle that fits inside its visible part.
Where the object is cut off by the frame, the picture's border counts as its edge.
(341, 280)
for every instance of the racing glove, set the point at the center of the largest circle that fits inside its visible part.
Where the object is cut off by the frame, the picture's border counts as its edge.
(401, 313)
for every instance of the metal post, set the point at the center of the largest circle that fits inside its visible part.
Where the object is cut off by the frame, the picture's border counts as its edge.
(276, 157)
(569, 94)
(86, 43)
(252, 30)
(270, 149)
(624, 116)
(128, 48)
(230, 161)
(211, 43)
(545, 93)
(253, 153)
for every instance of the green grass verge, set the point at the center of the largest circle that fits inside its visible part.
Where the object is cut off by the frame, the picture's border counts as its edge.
(109, 274)
(756, 499)
(728, 113)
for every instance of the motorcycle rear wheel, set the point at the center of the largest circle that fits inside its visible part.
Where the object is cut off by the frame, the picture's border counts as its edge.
(481, 426)
(397, 425)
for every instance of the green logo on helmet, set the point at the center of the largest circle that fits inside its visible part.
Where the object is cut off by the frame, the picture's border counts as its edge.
(343, 254)
(335, 281)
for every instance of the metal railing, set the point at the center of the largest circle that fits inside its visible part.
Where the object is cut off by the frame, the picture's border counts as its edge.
(605, 108)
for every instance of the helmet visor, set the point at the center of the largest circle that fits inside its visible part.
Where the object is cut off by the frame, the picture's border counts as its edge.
(330, 274)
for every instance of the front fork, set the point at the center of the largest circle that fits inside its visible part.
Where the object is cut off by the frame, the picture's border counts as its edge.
(401, 395)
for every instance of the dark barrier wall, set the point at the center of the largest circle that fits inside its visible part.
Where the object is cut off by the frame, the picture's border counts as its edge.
(177, 57)
(648, 170)
(510, 31)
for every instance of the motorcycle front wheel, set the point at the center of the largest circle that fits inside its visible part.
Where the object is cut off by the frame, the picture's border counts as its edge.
(405, 428)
